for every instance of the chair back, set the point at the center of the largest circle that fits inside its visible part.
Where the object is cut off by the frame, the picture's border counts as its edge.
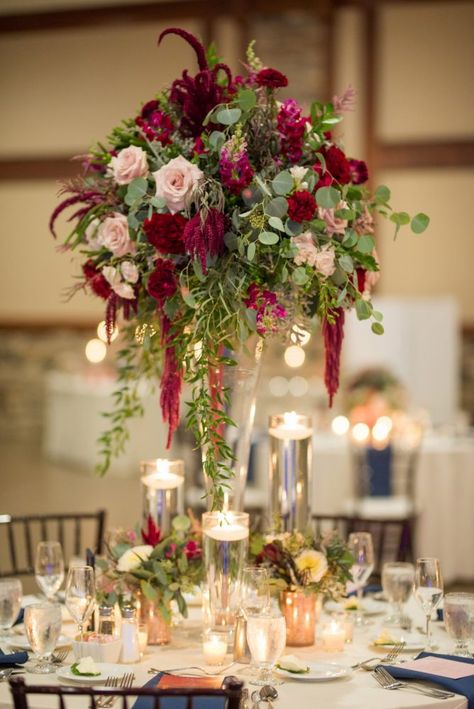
(152, 698)
(19, 537)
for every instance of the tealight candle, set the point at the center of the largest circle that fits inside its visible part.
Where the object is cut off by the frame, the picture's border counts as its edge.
(214, 648)
(227, 527)
(333, 636)
(164, 477)
(290, 426)
(346, 622)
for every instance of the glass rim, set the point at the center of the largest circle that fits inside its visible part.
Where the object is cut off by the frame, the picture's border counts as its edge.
(43, 604)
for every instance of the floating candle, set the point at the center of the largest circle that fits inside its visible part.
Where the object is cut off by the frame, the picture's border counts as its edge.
(168, 475)
(290, 426)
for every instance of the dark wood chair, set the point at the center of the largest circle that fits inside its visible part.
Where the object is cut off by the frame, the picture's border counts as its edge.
(230, 691)
(19, 536)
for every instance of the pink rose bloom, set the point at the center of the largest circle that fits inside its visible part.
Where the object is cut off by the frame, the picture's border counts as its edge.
(176, 181)
(115, 235)
(128, 164)
(129, 271)
(113, 277)
(325, 261)
(365, 223)
(307, 251)
(334, 225)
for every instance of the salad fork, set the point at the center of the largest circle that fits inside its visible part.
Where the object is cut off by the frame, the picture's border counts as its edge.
(391, 656)
(153, 670)
(385, 679)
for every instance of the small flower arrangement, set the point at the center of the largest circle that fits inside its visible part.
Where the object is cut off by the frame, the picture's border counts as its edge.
(216, 213)
(299, 562)
(162, 568)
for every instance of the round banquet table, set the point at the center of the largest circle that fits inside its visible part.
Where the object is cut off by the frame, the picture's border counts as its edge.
(358, 691)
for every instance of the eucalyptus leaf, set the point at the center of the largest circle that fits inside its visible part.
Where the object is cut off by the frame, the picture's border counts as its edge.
(158, 202)
(377, 328)
(149, 591)
(299, 276)
(230, 240)
(228, 116)
(382, 194)
(276, 223)
(400, 218)
(328, 197)
(366, 244)
(268, 238)
(246, 99)
(363, 309)
(217, 139)
(293, 228)
(251, 250)
(346, 263)
(278, 207)
(282, 183)
(251, 317)
(349, 239)
(181, 523)
(419, 223)
(377, 315)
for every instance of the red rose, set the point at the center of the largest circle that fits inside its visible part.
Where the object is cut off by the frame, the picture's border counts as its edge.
(95, 280)
(165, 232)
(337, 164)
(301, 206)
(359, 172)
(162, 283)
(271, 78)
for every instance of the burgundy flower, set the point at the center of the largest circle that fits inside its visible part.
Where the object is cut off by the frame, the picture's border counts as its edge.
(170, 551)
(301, 206)
(95, 280)
(205, 238)
(271, 78)
(198, 147)
(162, 283)
(291, 127)
(235, 169)
(171, 381)
(333, 334)
(192, 550)
(165, 232)
(337, 164)
(271, 552)
(359, 172)
(154, 123)
(152, 535)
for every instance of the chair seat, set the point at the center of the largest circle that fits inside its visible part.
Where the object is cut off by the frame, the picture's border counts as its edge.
(393, 507)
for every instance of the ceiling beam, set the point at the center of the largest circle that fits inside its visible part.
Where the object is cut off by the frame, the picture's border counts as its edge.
(442, 153)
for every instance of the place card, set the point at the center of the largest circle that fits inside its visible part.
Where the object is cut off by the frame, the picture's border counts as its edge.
(181, 682)
(451, 669)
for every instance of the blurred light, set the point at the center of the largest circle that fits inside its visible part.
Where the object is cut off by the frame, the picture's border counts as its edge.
(102, 332)
(300, 336)
(96, 350)
(360, 432)
(294, 356)
(278, 386)
(298, 386)
(340, 425)
(382, 428)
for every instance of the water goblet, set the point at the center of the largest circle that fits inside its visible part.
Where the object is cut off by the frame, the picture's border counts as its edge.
(362, 549)
(266, 636)
(255, 590)
(49, 568)
(11, 593)
(42, 627)
(458, 613)
(397, 584)
(80, 595)
(428, 590)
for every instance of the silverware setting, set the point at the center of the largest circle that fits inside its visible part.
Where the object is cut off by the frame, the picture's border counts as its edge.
(389, 657)
(58, 657)
(10, 672)
(220, 671)
(386, 681)
(267, 694)
(106, 701)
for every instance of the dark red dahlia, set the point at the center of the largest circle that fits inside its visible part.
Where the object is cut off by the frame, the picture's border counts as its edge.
(359, 171)
(162, 283)
(301, 206)
(165, 232)
(337, 164)
(271, 78)
(95, 280)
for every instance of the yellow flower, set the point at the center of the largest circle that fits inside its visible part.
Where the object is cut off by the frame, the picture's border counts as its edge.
(313, 564)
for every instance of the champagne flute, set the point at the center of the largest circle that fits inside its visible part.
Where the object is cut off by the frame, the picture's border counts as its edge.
(397, 584)
(458, 613)
(428, 589)
(80, 595)
(42, 626)
(49, 568)
(11, 593)
(266, 636)
(255, 591)
(362, 549)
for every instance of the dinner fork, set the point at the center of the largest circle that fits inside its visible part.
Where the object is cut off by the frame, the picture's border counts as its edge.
(153, 670)
(60, 656)
(106, 701)
(385, 679)
(391, 656)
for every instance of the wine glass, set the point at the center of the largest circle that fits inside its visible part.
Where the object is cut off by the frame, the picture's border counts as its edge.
(80, 595)
(266, 636)
(458, 613)
(397, 584)
(362, 549)
(255, 591)
(11, 593)
(49, 568)
(428, 589)
(42, 627)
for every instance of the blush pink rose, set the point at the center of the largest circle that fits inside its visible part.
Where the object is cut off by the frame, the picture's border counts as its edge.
(306, 249)
(129, 271)
(176, 181)
(128, 164)
(113, 277)
(325, 261)
(115, 236)
(334, 225)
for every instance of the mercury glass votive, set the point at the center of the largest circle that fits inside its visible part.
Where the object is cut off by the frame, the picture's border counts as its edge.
(162, 482)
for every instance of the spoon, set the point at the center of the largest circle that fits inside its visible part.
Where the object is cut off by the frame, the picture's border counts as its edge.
(267, 693)
(255, 697)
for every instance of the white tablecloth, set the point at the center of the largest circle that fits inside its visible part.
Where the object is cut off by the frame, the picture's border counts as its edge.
(358, 691)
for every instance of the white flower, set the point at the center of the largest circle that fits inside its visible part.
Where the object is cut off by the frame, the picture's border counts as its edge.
(129, 271)
(325, 261)
(129, 164)
(132, 558)
(313, 564)
(113, 277)
(176, 181)
(298, 172)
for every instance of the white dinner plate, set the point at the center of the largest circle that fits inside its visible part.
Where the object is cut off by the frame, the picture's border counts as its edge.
(22, 643)
(318, 672)
(368, 607)
(106, 669)
(412, 642)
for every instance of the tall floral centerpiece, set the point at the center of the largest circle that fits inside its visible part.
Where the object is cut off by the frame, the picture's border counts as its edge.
(216, 214)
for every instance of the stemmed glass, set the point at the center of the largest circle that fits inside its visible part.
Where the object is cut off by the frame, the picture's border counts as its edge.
(80, 595)
(428, 589)
(266, 636)
(255, 591)
(362, 549)
(11, 593)
(397, 583)
(458, 613)
(42, 626)
(49, 568)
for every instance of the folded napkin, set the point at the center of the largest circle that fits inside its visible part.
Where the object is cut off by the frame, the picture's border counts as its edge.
(12, 659)
(20, 617)
(463, 685)
(177, 702)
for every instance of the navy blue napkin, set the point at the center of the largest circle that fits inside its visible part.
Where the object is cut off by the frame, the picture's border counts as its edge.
(177, 702)
(12, 659)
(464, 686)
(20, 617)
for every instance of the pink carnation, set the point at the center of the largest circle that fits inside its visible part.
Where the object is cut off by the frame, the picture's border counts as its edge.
(334, 225)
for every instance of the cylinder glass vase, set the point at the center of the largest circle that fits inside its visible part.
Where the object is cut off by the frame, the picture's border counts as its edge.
(290, 472)
(225, 542)
(300, 611)
(162, 482)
